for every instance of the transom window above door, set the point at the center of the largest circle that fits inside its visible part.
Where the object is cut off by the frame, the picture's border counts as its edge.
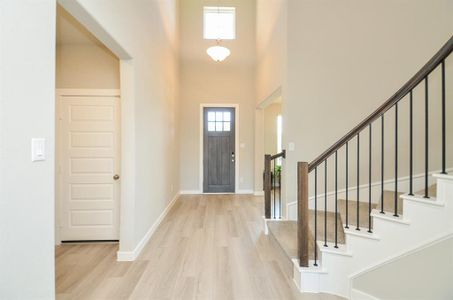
(219, 121)
(219, 23)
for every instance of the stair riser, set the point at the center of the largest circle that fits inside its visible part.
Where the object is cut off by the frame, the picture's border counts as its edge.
(426, 221)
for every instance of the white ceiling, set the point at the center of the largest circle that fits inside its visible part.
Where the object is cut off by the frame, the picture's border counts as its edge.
(70, 31)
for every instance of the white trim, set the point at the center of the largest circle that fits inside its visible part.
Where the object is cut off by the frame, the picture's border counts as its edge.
(258, 193)
(244, 192)
(236, 142)
(274, 97)
(359, 295)
(89, 92)
(132, 255)
(190, 192)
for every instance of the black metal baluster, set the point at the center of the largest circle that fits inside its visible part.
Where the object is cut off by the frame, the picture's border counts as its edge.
(336, 199)
(358, 182)
(347, 184)
(395, 196)
(280, 194)
(316, 217)
(382, 163)
(369, 187)
(325, 203)
(411, 145)
(273, 187)
(426, 138)
(444, 171)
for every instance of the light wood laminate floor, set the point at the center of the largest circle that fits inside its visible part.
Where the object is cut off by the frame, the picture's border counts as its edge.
(208, 247)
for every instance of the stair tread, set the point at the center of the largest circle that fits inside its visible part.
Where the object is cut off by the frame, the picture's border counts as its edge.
(285, 232)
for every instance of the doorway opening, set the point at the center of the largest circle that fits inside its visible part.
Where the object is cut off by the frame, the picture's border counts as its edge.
(88, 141)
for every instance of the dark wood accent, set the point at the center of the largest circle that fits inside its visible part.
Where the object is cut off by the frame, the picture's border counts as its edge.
(302, 213)
(281, 154)
(267, 185)
(402, 92)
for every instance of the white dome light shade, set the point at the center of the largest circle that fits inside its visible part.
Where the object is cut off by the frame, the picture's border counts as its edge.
(218, 53)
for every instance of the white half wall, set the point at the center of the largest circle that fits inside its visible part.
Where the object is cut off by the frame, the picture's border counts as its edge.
(27, 104)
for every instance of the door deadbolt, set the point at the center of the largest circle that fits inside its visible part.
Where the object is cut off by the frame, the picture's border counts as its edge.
(116, 177)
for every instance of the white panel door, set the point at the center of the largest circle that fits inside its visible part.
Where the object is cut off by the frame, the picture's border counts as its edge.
(88, 162)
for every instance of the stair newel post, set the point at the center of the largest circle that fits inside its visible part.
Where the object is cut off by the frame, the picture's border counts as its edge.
(267, 186)
(302, 213)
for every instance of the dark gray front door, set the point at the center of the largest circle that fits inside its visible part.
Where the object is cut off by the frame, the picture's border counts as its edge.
(218, 150)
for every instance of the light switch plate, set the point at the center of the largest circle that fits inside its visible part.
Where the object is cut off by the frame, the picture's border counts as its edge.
(291, 146)
(38, 149)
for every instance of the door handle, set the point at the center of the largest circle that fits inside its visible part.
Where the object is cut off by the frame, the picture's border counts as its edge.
(116, 177)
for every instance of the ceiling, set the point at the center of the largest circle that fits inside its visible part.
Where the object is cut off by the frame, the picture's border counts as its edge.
(70, 31)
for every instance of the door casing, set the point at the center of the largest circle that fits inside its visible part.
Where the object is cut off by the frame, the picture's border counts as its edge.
(236, 142)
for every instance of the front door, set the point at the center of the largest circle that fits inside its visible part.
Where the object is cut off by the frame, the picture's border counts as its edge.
(219, 155)
(89, 167)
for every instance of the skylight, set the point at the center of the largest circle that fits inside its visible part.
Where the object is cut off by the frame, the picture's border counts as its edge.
(219, 23)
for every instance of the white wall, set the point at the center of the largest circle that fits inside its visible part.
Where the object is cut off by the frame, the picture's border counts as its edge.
(345, 59)
(205, 81)
(27, 100)
(146, 32)
(423, 273)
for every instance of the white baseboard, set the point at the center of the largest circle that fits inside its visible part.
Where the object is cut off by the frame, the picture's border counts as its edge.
(245, 192)
(258, 193)
(198, 192)
(359, 295)
(190, 192)
(132, 255)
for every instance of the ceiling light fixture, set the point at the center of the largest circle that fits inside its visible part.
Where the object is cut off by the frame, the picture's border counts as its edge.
(218, 53)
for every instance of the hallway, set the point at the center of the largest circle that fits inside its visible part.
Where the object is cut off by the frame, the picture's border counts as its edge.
(208, 247)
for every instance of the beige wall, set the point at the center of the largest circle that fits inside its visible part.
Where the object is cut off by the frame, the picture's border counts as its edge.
(205, 81)
(270, 46)
(270, 70)
(345, 59)
(86, 66)
(82, 61)
(27, 102)
(144, 35)
(271, 113)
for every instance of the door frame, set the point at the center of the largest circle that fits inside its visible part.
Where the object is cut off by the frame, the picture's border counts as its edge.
(58, 176)
(236, 142)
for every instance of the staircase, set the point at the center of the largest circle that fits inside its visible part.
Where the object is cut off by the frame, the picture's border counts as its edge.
(341, 235)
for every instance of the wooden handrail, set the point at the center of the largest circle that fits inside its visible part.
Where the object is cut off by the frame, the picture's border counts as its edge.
(281, 154)
(401, 93)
